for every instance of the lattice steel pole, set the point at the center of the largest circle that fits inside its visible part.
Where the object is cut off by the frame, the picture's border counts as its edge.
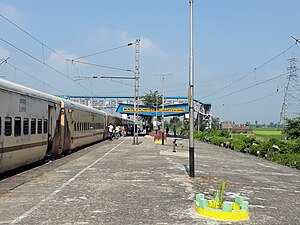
(136, 91)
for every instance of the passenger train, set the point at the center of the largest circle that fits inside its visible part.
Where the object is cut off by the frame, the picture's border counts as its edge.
(35, 125)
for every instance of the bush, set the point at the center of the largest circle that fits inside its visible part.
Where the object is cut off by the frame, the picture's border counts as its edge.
(199, 135)
(238, 145)
(254, 150)
(248, 140)
(183, 131)
(283, 152)
(218, 140)
(290, 159)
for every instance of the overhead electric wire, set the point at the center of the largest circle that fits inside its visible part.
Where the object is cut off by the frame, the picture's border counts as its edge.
(256, 84)
(257, 99)
(103, 66)
(294, 97)
(3, 61)
(252, 71)
(109, 50)
(43, 45)
(296, 88)
(20, 28)
(119, 82)
(16, 68)
(38, 60)
(74, 60)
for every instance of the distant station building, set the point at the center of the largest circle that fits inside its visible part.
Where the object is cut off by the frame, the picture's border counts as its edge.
(236, 128)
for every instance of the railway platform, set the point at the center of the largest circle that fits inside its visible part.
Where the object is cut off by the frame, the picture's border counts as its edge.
(115, 182)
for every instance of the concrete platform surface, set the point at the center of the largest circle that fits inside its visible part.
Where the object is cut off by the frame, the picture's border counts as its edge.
(115, 182)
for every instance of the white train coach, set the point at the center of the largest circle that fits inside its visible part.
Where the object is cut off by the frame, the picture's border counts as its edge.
(34, 125)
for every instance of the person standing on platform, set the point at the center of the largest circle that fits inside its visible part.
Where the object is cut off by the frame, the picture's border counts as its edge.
(124, 131)
(110, 131)
(117, 132)
(167, 131)
(174, 130)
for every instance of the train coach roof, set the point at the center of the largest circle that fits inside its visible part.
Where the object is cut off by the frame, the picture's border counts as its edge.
(17, 88)
(75, 105)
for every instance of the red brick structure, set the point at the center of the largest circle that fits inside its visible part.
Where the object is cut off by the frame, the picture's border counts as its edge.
(237, 128)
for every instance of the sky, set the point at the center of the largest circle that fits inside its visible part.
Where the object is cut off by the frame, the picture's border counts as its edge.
(241, 50)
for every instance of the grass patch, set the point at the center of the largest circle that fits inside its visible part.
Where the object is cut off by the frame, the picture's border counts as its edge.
(268, 133)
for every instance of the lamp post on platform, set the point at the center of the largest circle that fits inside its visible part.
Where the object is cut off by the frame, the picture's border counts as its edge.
(163, 107)
(191, 97)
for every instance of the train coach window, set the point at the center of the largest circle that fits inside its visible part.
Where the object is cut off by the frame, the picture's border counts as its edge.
(45, 126)
(26, 126)
(75, 126)
(33, 126)
(17, 126)
(40, 126)
(8, 126)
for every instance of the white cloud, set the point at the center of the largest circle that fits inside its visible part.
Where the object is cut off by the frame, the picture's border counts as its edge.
(4, 53)
(59, 62)
(12, 13)
(104, 37)
(149, 48)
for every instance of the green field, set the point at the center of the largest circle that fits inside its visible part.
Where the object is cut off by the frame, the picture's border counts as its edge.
(263, 134)
(268, 133)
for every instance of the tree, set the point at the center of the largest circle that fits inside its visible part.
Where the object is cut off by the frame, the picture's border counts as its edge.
(152, 98)
(175, 119)
(215, 123)
(292, 128)
(272, 124)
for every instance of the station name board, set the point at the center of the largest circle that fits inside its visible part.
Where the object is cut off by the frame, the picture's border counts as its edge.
(144, 110)
(181, 110)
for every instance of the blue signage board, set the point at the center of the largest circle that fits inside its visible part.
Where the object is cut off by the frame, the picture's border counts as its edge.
(144, 110)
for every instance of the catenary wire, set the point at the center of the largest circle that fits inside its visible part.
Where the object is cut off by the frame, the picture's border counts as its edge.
(103, 66)
(243, 89)
(109, 50)
(38, 60)
(48, 47)
(20, 28)
(257, 99)
(252, 71)
(18, 69)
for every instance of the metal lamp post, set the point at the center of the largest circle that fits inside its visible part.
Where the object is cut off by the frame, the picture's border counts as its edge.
(163, 107)
(191, 97)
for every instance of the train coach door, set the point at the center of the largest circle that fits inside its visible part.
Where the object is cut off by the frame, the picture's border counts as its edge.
(51, 128)
(1, 151)
(1, 142)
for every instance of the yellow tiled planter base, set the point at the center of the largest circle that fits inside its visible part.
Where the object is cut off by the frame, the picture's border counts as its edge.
(221, 215)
